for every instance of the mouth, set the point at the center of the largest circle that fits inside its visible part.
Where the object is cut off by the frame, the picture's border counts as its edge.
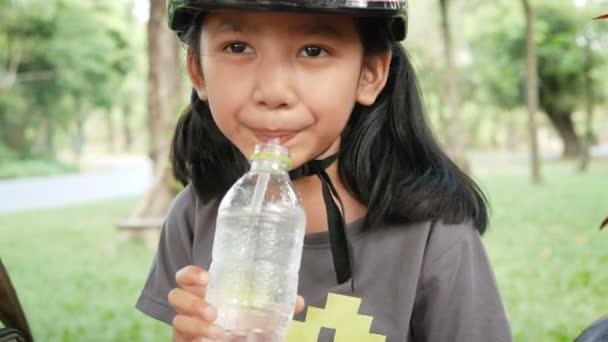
(266, 135)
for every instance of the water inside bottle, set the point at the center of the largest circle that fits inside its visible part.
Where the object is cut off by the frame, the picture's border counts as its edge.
(254, 325)
(256, 294)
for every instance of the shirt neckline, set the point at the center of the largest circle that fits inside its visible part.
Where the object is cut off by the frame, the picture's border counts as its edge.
(321, 239)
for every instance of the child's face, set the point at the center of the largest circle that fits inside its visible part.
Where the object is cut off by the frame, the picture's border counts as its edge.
(292, 76)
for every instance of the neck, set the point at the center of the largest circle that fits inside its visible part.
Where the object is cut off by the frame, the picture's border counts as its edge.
(311, 192)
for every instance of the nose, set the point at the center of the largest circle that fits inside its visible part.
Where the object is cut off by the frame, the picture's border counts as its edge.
(274, 84)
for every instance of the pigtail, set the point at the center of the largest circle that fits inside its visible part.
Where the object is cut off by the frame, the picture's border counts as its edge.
(435, 185)
(391, 161)
(179, 145)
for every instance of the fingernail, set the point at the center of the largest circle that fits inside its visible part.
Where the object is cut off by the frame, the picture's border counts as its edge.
(215, 332)
(208, 313)
(204, 277)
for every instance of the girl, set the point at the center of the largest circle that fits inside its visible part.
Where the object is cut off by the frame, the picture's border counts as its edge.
(392, 248)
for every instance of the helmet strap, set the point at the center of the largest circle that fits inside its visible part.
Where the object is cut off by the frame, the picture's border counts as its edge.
(340, 247)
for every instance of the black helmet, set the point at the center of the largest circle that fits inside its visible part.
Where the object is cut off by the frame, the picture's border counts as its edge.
(180, 13)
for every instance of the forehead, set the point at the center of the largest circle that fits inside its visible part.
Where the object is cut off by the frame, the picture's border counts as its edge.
(255, 21)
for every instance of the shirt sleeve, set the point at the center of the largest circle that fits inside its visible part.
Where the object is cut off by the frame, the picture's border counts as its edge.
(173, 253)
(458, 299)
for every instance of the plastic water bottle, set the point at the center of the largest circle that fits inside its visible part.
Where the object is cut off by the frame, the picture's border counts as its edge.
(257, 250)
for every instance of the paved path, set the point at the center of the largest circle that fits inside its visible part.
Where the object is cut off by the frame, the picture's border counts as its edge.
(599, 151)
(127, 177)
(109, 179)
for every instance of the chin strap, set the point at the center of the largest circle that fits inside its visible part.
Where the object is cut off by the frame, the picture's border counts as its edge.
(335, 220)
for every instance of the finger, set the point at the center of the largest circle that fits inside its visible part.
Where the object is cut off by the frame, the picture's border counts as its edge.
(188, 325)
(185, 302)
(299, 305)
(197, 290)
(179, 337)
(192, 275)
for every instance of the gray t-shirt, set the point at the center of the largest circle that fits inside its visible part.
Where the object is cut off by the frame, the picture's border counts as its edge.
(413, 282)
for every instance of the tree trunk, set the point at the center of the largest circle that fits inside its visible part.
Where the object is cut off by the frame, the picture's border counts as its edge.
(49, 135)
(164, 92)
(78, 138)
(164, 66)
(532, 92)
(111, 131)
(16, 139)
(126, 126)
(3, 128)
(158, 198)
(511, 132)
(589, 103)
(456, 141)
(562, 121)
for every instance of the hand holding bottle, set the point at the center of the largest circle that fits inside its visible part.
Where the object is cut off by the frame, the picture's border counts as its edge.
(195, 317)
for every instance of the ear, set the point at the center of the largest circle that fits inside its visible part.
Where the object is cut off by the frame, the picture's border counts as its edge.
(374, 73)
(195, 73)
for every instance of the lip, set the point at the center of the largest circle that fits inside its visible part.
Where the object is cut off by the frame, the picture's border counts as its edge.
(266, 135)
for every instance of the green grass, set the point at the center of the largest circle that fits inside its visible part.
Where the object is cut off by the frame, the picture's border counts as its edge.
(78, 280)
(549, 256)
(34, 168)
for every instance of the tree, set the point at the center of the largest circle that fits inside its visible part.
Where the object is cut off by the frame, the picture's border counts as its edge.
(456, 138)
(588, 38)
(532, 91)
(164, 96)
(562, 68)
(500, 59)
(58, 61)
(589, 103)
(561, 72)
(164, 93)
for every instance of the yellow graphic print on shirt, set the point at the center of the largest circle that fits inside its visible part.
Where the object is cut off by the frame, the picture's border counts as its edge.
(341, 314)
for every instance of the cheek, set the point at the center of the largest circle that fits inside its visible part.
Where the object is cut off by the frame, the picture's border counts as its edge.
(224, 96)
(332, 97)
(339, 79)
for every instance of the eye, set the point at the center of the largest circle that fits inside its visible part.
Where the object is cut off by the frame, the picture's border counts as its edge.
(238, 48)
(314, 51)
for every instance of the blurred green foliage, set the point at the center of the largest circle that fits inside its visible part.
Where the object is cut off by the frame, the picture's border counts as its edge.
(490, 55)
(35, 168)
(64, 63)
(59, 61)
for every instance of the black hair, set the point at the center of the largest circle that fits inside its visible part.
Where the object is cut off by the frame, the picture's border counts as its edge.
(389, 158)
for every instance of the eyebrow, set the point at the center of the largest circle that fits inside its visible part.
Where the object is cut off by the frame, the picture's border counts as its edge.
(319, 29)
(316, 29)
(233, 26)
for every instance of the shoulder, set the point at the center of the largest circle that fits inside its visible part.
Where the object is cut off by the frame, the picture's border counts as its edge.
(183, 204)
(188, 210)
(437, 236)
(444, 235)
(452, 241)
(457, 297)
